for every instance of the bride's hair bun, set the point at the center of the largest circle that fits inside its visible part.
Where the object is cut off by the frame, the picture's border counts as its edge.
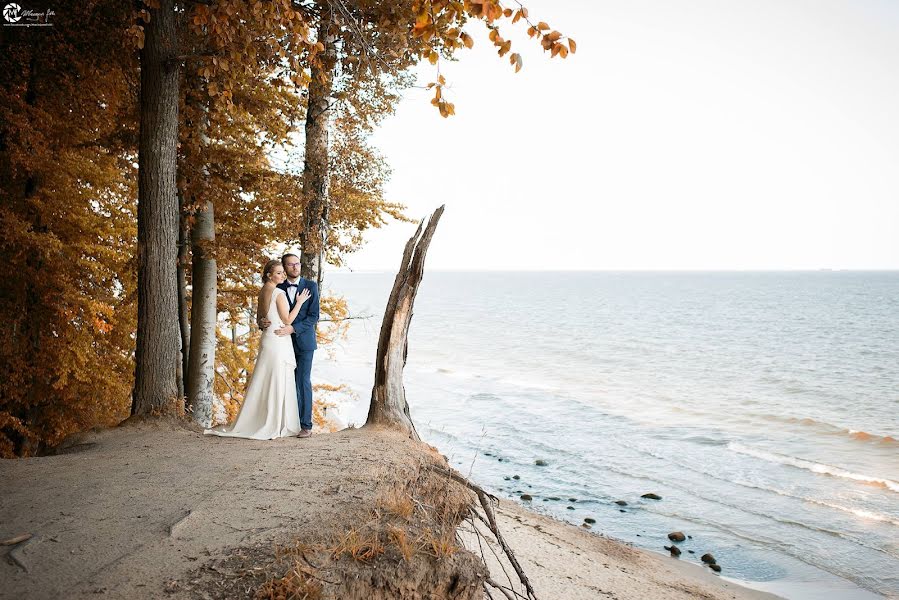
(267, 271)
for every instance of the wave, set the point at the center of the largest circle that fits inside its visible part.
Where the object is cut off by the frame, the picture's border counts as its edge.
(864, 436)
(858, 512)
(829, 428)
(814, 467)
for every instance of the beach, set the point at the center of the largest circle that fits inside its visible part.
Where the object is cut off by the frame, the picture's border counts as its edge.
(760, 406)
(155, 509)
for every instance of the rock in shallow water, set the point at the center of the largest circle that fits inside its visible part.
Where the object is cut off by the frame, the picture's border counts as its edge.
(590, 520)
(676, 536)
(526, 497)
(715, 567)
(620, 502)
(540, 462)
(651, 496)
(708, 559)
(674, 550)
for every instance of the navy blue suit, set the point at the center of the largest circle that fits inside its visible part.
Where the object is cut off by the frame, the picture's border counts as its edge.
(304, 344)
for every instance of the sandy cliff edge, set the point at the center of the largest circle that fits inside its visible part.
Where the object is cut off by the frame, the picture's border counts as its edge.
(155, 509)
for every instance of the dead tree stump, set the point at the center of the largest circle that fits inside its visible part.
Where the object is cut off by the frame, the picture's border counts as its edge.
(388, 396)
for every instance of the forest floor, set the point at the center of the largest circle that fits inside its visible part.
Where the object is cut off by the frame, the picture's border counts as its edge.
(154, 509)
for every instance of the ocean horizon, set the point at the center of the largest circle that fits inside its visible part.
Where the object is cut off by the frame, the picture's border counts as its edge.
(762, 406)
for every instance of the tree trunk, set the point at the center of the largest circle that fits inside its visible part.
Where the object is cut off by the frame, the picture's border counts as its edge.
(388, 396)
(183, 314)
(156, 355)
(201, 369)
(315, 169)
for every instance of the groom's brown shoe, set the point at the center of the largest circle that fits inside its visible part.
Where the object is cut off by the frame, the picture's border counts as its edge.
(304, 433)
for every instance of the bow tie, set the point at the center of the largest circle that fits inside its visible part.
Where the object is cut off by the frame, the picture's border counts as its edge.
(296, 285)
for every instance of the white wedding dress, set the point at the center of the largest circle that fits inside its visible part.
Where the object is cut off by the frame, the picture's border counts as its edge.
(270, 406)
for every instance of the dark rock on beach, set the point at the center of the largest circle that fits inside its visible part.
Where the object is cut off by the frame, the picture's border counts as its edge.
(715, 567)
(676, 536)
(674, 550)
(708, 559)
(651, 496)
(590, 520)
(526, 497)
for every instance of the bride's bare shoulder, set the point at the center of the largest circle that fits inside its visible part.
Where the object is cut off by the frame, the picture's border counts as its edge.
(266, 292)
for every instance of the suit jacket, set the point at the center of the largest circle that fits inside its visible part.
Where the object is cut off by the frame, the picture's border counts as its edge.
(304, 325)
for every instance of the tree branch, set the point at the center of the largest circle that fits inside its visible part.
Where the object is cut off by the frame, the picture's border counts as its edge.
(485, 500)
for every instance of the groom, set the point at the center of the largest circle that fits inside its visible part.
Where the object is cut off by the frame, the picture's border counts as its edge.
(302, 332)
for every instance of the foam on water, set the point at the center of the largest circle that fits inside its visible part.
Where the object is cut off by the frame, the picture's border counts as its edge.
(815, 467)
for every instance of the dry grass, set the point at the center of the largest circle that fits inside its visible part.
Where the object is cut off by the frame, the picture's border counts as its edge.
(296, 585)
(438, 544)
(400, 539)
(412, 524)
(360, 545)
(397, 502)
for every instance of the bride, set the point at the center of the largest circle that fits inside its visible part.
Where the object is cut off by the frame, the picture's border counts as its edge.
(270, 408)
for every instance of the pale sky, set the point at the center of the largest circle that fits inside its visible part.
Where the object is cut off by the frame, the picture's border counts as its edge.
(706, 134)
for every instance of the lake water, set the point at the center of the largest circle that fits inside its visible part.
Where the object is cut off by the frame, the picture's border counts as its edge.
(762, 407)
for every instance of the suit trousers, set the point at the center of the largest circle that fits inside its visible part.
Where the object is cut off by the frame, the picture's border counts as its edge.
(304, 386)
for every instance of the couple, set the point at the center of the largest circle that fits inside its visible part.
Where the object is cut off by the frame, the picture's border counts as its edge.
(278, 402)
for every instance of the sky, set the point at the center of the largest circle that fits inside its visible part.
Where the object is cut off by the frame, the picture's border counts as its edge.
(682, 135)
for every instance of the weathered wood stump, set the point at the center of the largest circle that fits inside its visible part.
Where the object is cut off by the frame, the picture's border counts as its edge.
(388, 396)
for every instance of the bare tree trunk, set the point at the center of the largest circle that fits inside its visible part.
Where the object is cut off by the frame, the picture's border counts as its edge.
(201, 368)
(183, 315)
(156, 355)
(388, 396)
(315, 169)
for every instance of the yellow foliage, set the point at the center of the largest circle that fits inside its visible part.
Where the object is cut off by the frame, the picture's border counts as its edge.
(68, 124)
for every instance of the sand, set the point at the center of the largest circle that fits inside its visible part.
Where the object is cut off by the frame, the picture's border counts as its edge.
(564, 561)
(155, 509)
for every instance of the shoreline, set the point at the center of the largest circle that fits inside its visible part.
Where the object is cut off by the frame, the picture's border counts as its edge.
(810, 587)
(590, 565)
(154, 508)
